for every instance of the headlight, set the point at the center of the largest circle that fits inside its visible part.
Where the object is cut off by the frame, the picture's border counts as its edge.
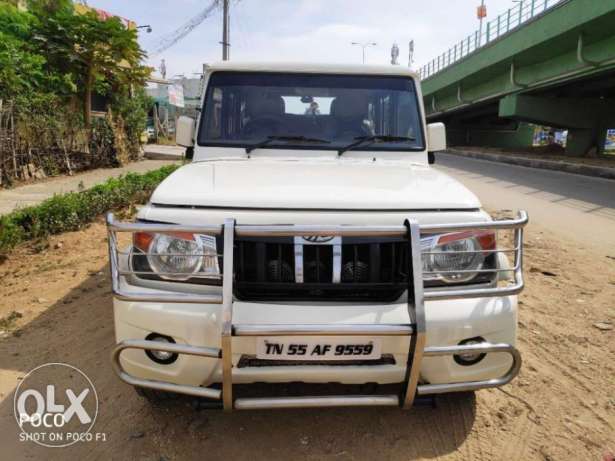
(175, 258)
(465, 252)
(179, 256)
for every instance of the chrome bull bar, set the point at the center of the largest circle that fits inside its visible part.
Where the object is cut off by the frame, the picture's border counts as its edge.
(143, 344)
(484, 348)
(416, 310)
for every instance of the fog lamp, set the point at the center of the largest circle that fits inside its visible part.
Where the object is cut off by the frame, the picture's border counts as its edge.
(162, 357)
(470, 358)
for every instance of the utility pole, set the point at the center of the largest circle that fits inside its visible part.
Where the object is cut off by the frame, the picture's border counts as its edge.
(226, 45)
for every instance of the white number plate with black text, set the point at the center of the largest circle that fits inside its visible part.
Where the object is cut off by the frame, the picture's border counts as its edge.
(316, 349)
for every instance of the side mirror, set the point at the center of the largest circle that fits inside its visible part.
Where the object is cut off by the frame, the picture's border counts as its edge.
(184, 131)
(436, 137)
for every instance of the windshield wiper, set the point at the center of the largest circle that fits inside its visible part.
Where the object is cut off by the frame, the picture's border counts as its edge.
(270, 139)
(368, 140)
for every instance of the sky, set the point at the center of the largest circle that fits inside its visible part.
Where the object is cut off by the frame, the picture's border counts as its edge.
(303, 30)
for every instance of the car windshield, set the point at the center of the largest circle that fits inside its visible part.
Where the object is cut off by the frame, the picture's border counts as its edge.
(310, 111)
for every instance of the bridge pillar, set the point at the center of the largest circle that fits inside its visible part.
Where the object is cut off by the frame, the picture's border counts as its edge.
(586, 142)
(586, 119)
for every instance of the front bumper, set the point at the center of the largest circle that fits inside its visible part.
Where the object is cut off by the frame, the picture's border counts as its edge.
(213, 334)
(447, 323)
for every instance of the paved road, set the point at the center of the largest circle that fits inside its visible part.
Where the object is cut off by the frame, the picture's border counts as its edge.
(578, 207)
(32, 194)
(574, 206)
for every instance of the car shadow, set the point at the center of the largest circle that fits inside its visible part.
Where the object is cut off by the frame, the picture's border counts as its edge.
(78, 330)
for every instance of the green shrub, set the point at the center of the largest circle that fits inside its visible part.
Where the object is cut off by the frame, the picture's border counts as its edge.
(71, 211)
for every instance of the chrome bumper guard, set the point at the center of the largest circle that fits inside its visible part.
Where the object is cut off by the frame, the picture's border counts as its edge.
(416, 307)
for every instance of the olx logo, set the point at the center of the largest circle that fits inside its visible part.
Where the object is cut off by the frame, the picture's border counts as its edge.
(56, 406)
(50, 414)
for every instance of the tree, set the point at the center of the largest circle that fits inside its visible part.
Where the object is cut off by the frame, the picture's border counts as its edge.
(107, 52)
(52, 60)
(21, 68)
(55, 50)
(90, 52)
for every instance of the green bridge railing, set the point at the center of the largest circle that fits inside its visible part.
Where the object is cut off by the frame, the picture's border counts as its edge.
(513, 19)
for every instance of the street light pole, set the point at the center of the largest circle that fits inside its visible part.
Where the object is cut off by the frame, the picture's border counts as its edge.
(480, 27)
(363, 46)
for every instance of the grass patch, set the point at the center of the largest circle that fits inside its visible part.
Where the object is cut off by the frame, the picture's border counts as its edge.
(8, 322)
(71, 211)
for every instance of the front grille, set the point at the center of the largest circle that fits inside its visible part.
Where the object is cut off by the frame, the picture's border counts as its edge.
(370, 271)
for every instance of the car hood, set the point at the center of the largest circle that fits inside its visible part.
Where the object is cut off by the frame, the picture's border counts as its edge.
(341, 184)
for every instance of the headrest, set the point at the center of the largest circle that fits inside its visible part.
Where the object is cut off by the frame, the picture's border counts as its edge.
(346, 106)
(265, 105)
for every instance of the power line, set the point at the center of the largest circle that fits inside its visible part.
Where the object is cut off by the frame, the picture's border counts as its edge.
(178, 34)
(240, 28)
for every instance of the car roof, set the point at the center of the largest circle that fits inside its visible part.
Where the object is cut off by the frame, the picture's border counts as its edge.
(355, 69)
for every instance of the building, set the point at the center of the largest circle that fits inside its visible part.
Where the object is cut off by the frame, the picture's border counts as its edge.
(80, 8)
(172, 98)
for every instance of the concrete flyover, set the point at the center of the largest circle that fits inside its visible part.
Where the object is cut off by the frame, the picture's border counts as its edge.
(548, 62)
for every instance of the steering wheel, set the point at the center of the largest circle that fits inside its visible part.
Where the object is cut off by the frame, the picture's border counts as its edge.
(264, 126)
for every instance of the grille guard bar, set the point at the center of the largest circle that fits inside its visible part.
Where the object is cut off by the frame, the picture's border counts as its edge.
(411, 230)
(313, 402)
(145, 345)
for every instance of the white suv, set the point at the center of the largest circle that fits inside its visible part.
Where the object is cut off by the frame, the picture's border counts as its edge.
(310, 241)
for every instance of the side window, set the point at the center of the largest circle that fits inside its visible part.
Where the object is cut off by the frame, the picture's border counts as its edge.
(229, 109)
(395, 114)
(379, 111)
(407, 119)
(226, 116)
(213, 115)
(387, 116)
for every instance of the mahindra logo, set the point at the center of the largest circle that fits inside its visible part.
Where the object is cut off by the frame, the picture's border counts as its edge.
(318, 238)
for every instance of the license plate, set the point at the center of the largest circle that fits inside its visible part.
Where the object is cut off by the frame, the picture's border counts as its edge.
(313, 349)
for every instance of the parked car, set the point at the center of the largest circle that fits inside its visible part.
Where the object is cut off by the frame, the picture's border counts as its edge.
(314, 247)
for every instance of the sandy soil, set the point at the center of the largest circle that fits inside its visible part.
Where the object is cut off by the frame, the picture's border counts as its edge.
(562, 406)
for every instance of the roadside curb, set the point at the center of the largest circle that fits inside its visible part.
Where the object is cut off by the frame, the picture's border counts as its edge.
(157, 152)
(161, 156)
(585, 170)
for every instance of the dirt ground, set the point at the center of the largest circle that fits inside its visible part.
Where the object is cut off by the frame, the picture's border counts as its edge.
(55, 305)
